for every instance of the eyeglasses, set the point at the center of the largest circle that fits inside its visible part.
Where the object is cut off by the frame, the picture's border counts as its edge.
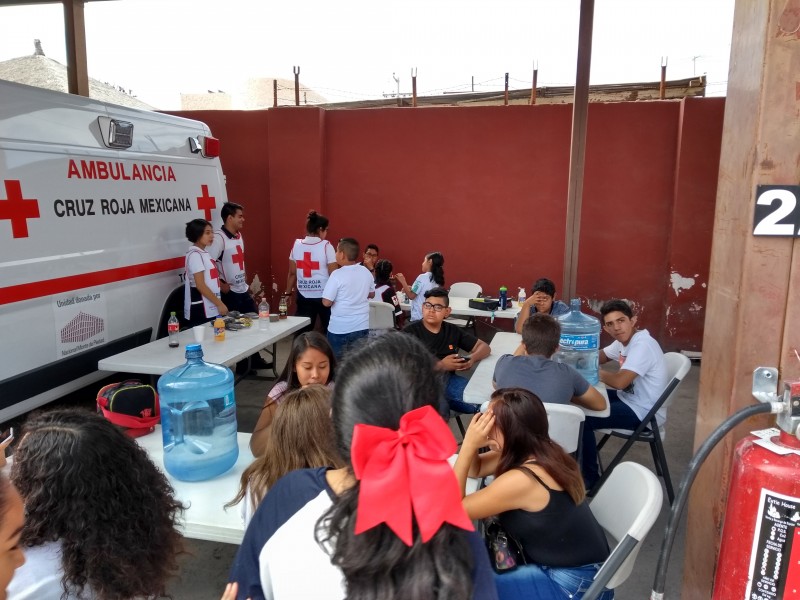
(371, 254)
(434, 307)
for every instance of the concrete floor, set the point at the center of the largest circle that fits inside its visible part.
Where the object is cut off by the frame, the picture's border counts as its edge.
(205, 566)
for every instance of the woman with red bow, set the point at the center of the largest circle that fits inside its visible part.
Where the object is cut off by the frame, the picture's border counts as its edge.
(538, 497)
(388, 526)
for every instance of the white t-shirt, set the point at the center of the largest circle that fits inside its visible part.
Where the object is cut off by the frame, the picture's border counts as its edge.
(644, 357)
(349, 288)
(196, 261)
(312, 256)
(422, 284)
(40, 577)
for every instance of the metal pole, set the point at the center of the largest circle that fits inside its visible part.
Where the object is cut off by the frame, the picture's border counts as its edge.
(662, 88)
(397, 81)
(274, 93)
(577, 156)
(533, 86)
(296, 85)
(414, 87)
(505, 95)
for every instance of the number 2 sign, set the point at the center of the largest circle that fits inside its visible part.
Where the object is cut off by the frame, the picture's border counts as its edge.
(776, 211)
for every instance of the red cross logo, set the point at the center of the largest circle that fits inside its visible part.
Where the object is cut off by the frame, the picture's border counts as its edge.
(206, 202)
(214, 273)
(17, 209)
(238, 257)
(307, 264)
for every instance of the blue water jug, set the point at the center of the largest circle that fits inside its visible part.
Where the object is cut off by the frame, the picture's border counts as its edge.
(198, 418)
(580, 342)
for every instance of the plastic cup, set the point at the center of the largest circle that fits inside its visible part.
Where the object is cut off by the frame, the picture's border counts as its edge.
(199, 332)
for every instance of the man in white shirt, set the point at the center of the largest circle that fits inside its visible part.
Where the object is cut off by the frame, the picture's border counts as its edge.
(634, 389)
(348, 291)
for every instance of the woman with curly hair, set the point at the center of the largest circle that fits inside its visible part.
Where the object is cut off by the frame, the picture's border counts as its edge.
(100, 517)
(11, 518)
(301, 438)
(387, 526)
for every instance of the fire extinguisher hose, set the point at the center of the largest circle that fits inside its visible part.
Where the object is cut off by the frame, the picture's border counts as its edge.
(688, 479)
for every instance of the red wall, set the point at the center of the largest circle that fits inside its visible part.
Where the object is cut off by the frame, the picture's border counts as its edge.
(487, 186)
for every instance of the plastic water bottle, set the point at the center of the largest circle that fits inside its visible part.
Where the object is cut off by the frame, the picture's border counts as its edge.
(172, 330)
(198, 418)
(503, 298)
(263, 315)
(522, 296)
(580, 341)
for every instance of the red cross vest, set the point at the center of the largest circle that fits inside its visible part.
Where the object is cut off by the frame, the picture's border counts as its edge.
(312, 267)
(211, 279)
(231, 260)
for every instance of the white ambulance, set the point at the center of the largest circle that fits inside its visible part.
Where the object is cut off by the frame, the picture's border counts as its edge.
(94, 199)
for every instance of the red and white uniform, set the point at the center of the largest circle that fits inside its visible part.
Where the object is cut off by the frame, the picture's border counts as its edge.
(228, 252)
(196, 261)
(312, 256)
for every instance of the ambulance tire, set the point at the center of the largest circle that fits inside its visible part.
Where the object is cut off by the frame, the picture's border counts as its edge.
(173, 303)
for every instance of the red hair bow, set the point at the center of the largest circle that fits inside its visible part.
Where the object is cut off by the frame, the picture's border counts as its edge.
(405, 469)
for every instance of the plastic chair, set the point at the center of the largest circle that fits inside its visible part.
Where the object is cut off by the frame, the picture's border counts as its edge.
(626, 508)
(649, 431)
(381, 317)
(464, 289)
(565, 426)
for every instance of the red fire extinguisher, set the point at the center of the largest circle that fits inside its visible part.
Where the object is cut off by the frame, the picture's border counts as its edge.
(759, 556)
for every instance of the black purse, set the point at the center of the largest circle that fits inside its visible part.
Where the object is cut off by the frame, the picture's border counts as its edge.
(505, 552)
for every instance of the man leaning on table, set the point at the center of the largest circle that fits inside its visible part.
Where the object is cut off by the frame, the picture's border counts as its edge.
(634, 389)
(531, 368)
(541, 301)
(444, 340)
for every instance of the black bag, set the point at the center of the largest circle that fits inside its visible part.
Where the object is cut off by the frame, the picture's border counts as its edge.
(130, 404)
(505, 552)
(487, 304)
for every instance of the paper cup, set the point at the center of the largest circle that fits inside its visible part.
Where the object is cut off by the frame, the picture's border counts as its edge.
(199, 332)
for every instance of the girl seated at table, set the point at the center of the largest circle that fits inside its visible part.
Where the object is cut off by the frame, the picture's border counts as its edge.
(432, 276)
(384, 290)
(350, 532)
(311, 360)
(538, 497)
(100, 518)
(301, 437)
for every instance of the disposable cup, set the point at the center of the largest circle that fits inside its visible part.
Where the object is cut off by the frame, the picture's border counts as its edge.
(199, 332)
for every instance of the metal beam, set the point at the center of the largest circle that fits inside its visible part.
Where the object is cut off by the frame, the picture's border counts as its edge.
(577, 155)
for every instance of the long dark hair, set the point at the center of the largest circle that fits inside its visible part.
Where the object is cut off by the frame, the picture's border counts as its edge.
(378, 383)
(521, 418)
(92, 489)
(437, 267)
(304, 341)
(383, 272)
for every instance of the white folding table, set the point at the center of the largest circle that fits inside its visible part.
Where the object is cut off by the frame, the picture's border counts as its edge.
(460, 308)
(205, 517)
(156, 358)
(479, 387)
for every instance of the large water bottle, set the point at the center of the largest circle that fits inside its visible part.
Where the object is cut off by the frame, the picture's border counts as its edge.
(580, 342)
(198, 418)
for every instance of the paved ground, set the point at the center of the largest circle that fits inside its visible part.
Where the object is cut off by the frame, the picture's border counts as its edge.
(205, 565)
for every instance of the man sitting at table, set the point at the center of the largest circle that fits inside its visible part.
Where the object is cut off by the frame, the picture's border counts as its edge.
(531, 368)
(444, 340)
(641, 379)
(541, 301)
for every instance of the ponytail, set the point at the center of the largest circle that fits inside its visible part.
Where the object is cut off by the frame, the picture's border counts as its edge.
(315, 222)
(437, 268)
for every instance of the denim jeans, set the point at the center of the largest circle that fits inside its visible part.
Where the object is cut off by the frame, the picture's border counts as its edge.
(621, 417)
(342, 342)
(548, 583)
(454, 392)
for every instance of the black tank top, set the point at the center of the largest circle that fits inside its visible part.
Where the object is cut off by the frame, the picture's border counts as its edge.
(562, 534)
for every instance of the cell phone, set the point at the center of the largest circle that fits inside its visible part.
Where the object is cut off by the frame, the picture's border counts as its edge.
(465, 358)
(7, 435)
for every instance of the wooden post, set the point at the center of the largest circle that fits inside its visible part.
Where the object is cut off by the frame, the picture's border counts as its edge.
(752, 310)
(274, 93)
(75, 35)
(577, 153)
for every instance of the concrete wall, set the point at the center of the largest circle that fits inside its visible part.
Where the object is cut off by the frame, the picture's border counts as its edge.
(487, 186)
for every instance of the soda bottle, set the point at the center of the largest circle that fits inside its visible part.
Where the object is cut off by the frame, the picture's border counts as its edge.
(263, 315)
(219, 329)
(580, 342)
(503, 298)
(198, 418)
(172, 330)
(283, 307)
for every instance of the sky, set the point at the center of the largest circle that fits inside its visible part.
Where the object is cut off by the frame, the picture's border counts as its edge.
(353, 49)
